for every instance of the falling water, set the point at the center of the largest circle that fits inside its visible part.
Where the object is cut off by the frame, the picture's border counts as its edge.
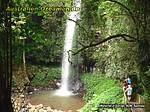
(69, 33)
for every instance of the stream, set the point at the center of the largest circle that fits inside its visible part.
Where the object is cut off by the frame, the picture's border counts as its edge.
(48, 98)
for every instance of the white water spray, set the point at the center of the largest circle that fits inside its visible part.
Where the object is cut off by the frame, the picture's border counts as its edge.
(69, 33)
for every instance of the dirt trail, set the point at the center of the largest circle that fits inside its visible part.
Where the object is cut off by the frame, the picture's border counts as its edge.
(138, 109)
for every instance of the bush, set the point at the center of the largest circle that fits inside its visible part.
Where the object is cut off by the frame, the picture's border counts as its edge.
(101, 90)
(45, 75)
(95, 84)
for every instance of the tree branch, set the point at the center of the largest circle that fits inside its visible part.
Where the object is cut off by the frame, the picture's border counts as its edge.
(69, 57)
(107, 39)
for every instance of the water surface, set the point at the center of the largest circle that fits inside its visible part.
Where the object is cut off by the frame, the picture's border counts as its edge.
(48, 98)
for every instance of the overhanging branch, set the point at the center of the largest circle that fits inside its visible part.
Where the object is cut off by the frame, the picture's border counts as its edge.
(69, 57)
(124, 36)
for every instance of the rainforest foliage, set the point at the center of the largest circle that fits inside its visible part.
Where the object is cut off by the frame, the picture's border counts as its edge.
(118, 38)
(101, 90)
(112, 38)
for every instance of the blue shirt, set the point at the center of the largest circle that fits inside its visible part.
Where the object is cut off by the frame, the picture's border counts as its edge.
(129, 81)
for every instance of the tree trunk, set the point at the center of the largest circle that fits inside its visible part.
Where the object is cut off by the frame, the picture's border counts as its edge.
(5, 97)
(5, 60)
(144, 63)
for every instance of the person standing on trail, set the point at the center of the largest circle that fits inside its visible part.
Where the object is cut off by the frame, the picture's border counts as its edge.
(125, 85)
(128, 92)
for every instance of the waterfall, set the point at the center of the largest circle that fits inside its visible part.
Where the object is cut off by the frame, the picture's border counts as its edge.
(69, 33)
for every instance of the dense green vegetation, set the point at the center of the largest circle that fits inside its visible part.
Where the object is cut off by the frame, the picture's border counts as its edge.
(39, 76)
(101, 90)
(45, 76)
(117, 39)
(111, 42)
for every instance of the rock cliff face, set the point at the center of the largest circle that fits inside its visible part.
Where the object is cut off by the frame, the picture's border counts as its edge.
(118, 60)
(77, 86)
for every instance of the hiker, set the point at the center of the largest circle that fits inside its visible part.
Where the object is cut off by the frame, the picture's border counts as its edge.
(128, 92)
(125, 85)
